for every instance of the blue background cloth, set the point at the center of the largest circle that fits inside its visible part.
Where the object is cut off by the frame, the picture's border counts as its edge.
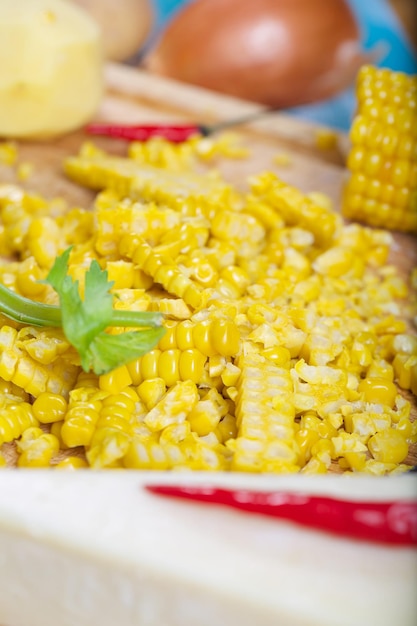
(378, 24)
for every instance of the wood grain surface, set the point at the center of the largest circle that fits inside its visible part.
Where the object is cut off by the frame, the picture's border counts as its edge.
(133, 96)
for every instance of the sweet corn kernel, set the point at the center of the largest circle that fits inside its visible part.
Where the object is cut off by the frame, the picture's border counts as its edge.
(388, 446)
(49, 408)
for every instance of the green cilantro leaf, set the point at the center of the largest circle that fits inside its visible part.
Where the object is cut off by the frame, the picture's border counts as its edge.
(84, 321)
(107, 351)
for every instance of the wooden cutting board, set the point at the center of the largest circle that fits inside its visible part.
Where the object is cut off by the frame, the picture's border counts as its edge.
(133, 96)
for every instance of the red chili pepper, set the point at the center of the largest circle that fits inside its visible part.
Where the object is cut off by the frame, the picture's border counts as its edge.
(393, 522)
(175, 133)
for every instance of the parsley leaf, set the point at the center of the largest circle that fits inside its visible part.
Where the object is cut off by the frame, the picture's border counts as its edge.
(84, 321)
(106, 351)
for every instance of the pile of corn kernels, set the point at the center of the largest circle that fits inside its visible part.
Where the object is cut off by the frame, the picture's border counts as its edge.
(288, 338)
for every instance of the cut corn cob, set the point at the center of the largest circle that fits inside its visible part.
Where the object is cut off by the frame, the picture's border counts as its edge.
(382, 188)
(35, 364)
(265, 418)
(129, 178)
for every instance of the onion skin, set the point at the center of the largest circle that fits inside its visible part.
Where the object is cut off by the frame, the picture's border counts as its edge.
(125, 24)
(279, 53)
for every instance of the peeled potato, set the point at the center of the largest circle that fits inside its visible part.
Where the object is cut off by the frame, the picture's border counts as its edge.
(125, 24)
(51, 67)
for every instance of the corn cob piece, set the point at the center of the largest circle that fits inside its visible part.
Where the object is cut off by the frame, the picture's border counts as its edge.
(162, 269)
(15, 417)
(36, 365)
(36, 448)
(82, 415)
(292, 206)
(113, 430)
(382, 188)
(153, 184)
(265, 417)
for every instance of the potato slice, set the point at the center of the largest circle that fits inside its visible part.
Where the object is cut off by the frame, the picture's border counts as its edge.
(51, 68)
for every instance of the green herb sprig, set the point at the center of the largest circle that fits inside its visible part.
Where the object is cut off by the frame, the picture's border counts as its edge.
(84, 321)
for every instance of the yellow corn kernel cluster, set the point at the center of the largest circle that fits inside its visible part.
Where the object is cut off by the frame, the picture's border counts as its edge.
(265, 418)
(37, 361)
(288, 335)
(16, 416)
(382, 188)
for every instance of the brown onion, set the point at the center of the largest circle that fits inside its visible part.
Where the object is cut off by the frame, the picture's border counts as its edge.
(276, 52)
(125, 24)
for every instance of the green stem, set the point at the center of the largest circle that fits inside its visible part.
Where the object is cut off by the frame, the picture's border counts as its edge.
(25, 311)
(135, 318)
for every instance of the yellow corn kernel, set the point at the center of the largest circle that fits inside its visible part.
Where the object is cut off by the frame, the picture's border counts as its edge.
(207, 413)
(356, 461)
(334, 262)
(191, 365)
(55, 429)
(44, 241)
(49, 407)
(380, 369)
(108, 448)
(122, 404)
(38, 452)
(405, 344)
(378, 390)
(230, 375)
(305, 438)
(29, 279)
(116, 380)
(146, 455)
(151, 391)
(16, 417)
(322, 450)
(71, 463)
(314, 466)
(203, 271)
(122, 273)
(388, 446)
(169, 366)
(79, 426)
(173, 407)
(7, 388)
(226, 428)
(405, 370)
